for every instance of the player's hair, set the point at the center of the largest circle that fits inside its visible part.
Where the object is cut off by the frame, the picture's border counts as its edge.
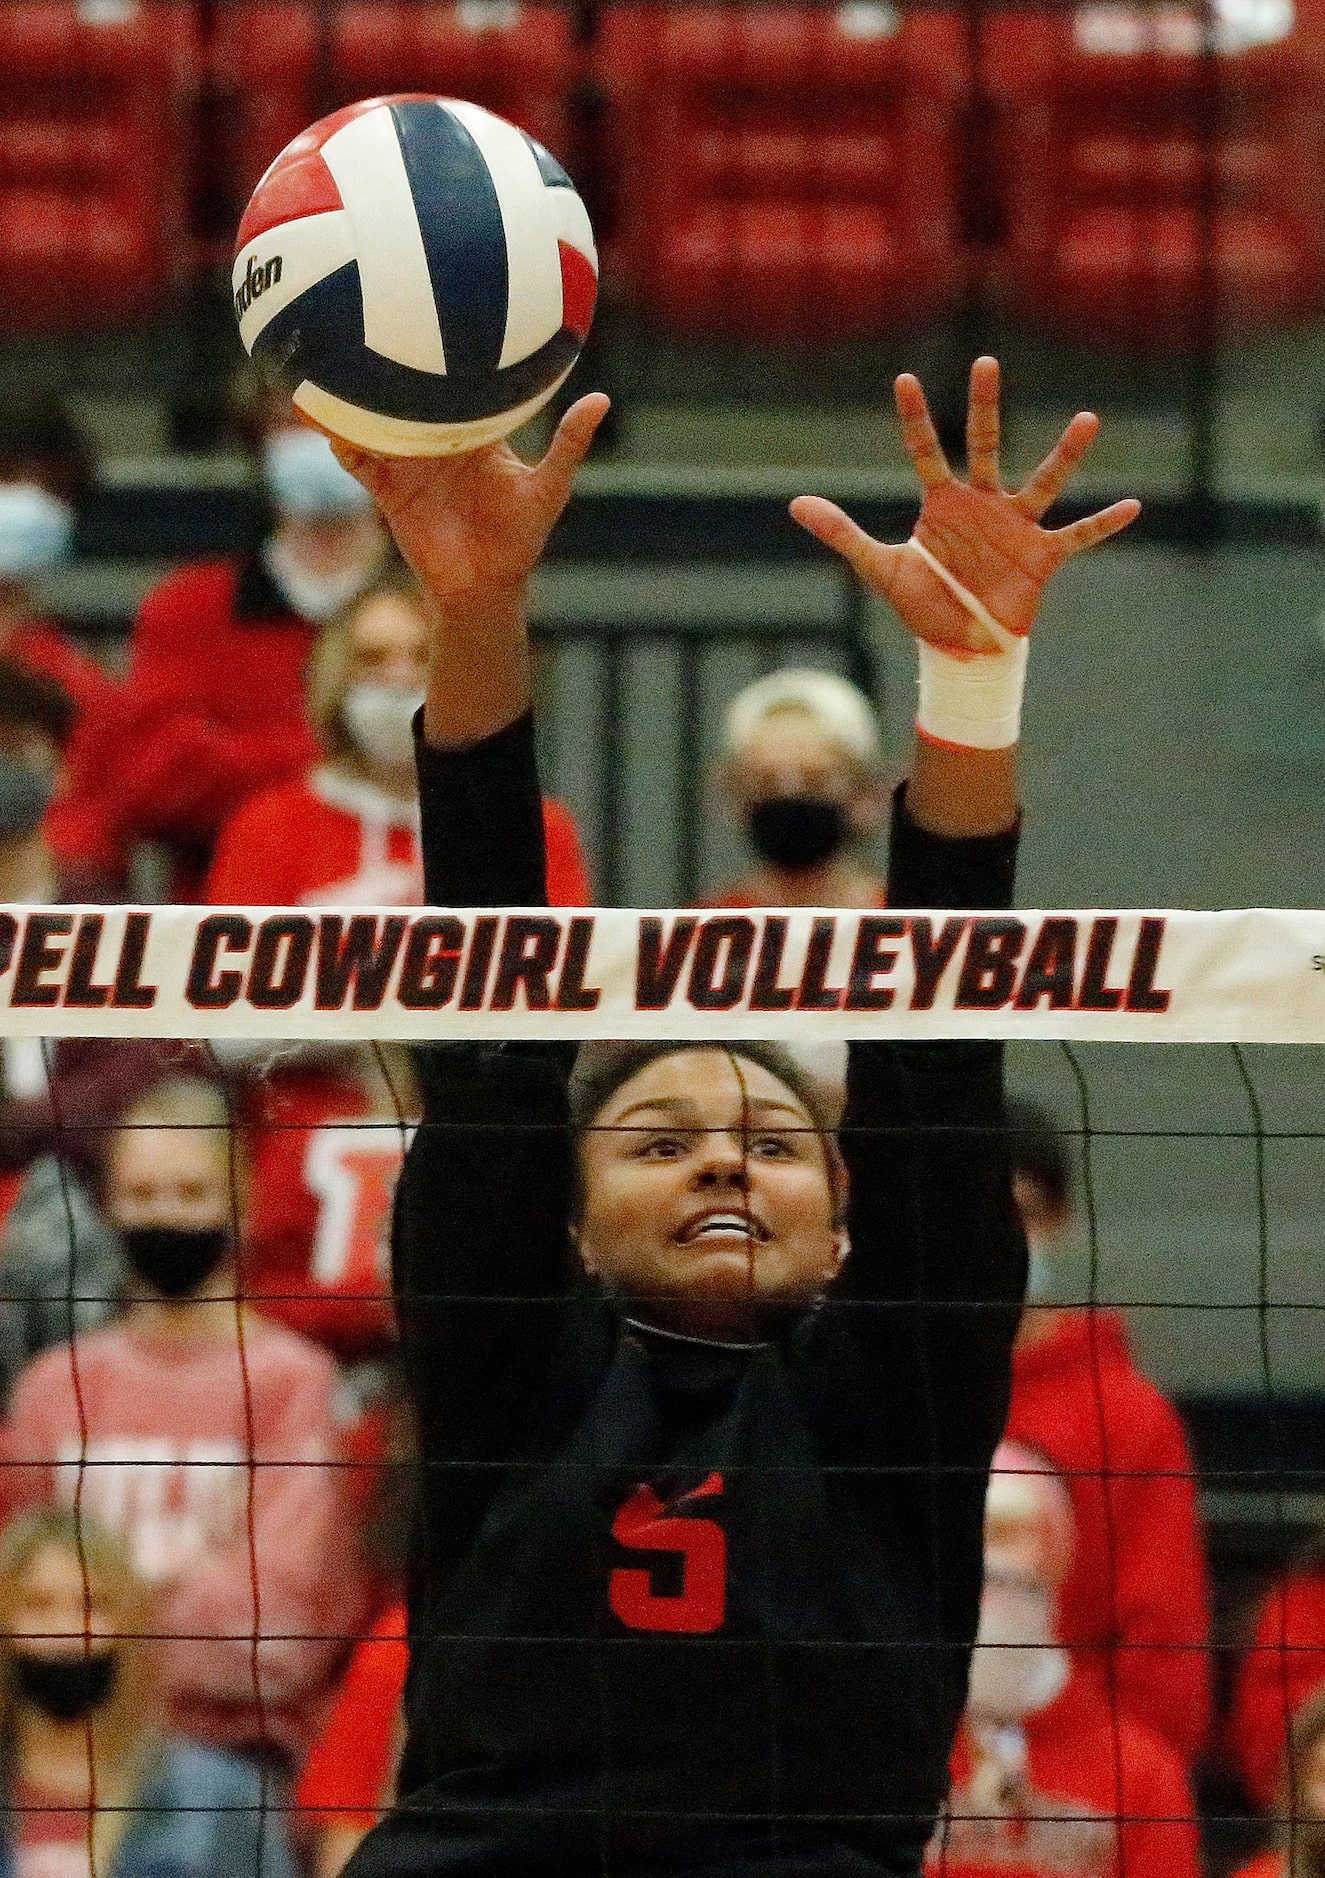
(127, 1723)
(603, 1068)
(330, 663)
(1037, 1149)
(33, 701)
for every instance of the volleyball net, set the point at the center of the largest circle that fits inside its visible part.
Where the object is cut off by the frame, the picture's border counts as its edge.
(234, 1477)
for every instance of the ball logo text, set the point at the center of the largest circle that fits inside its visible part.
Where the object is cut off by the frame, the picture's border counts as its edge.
(260, 276)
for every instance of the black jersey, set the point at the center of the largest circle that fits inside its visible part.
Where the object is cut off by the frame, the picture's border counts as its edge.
(680, 1606)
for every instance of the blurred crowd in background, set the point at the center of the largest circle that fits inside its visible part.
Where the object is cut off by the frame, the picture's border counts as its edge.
(205, 1459)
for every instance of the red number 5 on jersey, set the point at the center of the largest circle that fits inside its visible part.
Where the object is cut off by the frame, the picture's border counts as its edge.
(645, 1524)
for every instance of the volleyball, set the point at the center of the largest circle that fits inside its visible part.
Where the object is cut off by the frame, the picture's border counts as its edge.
(418, 274)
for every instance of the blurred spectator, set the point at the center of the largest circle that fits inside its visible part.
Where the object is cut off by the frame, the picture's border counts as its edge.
(44, 474)
(1281, 1676)
(36, 723)
(53, 1097)
(345, 833)
(213, 706)
(93, 1780)
(802, 768)
(325, 1130)
(349, 1778)
(1048, 1778)
(1299, 1849)
(60, 1267)
(205, 1434)
(1134, 1608)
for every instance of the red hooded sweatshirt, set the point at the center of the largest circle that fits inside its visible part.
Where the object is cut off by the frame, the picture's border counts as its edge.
(1091, 1800)
(1283, 1668)
(212, 710)
(1134, 1608)
(347, 1776)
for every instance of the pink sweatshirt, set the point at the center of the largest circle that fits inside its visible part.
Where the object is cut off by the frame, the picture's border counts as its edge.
(166, 1460)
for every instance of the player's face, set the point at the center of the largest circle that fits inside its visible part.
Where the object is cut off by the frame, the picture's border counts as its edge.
(168, 1177)
(388, 644)
(707, 1194)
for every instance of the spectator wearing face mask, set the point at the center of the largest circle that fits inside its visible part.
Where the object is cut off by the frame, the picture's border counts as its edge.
(1135, 1604)
(345, 833)
(94, 1778)
(204, 1434)
(52, 1097)
(1047, 1777)
(44, 475)
(802, 769)
(1298, 1850)
(212, 709)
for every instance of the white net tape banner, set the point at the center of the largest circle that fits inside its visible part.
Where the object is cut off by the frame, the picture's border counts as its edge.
(1256, 976)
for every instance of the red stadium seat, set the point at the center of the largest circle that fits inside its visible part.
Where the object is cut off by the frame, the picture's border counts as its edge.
(264, 62)
(786, 172)
(95, 123)
(282, 63)
(1156, 195)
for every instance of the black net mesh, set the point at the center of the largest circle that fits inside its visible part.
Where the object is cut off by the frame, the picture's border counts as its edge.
(216, 1492)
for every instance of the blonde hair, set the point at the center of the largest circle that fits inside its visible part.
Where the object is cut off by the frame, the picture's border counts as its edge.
(124, 1733)
(329, 666)
(179, 1102)
(836, 707)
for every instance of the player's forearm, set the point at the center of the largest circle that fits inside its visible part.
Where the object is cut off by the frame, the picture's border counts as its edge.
(478, 666)
(959, 793)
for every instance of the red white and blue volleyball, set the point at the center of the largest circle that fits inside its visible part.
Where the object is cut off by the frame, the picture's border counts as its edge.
(417, 273)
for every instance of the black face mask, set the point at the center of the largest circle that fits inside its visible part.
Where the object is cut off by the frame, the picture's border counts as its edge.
(797, 831)
(175, 1260)
(65, 1687)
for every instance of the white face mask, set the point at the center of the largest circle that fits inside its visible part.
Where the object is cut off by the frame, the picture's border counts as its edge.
(307, 483)
(1017, 1666)
(316, 596)
(36, 530)
(380, 720)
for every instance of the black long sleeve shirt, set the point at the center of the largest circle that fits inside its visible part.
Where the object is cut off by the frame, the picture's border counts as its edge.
(683, 1607)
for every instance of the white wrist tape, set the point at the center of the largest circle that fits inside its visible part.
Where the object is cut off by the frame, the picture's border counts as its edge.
(974, 702)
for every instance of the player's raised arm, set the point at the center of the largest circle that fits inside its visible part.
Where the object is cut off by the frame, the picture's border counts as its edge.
(473, 527)
(483, 1202)
(967, 586)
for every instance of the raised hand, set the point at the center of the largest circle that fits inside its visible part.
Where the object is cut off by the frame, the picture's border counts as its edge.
(476, 524)
(990, 540)
(472, 527)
